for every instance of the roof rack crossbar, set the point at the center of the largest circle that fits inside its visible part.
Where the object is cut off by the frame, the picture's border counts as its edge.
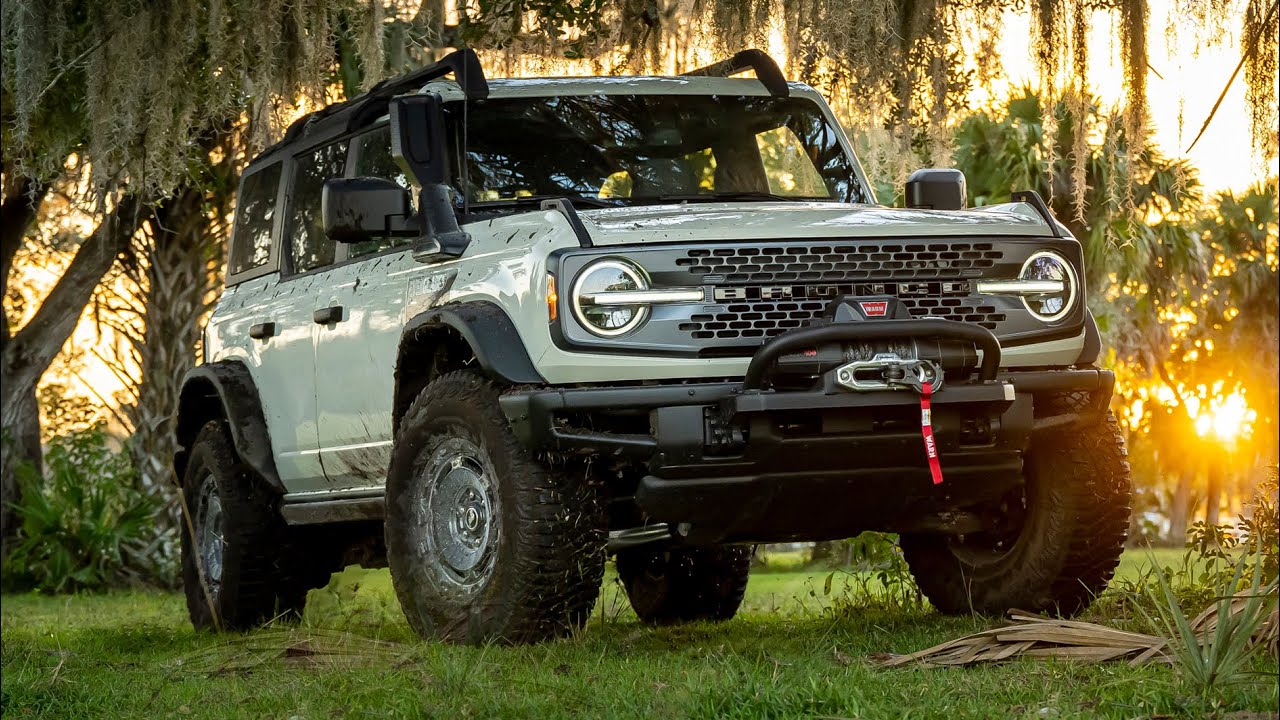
(462, 64)
(766, 70)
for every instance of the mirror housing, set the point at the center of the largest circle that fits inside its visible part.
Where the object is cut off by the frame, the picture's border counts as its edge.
(419, 147)
(363, 208)
(936, 189)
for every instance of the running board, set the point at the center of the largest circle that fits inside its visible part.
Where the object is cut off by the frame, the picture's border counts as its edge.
(635, 537)
(319, 512)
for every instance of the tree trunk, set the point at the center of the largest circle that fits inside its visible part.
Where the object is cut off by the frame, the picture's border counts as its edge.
(20, 421)
(22, 200)
(19, 445)
(1213, 496)
(27, 354)
(175, 282)
(1178, 514)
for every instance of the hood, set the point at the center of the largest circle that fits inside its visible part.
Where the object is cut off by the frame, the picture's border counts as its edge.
(695, 222)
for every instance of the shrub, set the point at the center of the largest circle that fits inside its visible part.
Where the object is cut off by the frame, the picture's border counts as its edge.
(877, 577)
(1214, 649)
(1260, 531)
(81, 519)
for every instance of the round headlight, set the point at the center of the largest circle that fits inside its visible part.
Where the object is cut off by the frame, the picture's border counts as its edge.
(1050, 266)
(597, 314)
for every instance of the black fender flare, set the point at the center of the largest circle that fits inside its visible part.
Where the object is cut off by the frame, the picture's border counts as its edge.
(225, 389)
(1092, 341)
(488, 329)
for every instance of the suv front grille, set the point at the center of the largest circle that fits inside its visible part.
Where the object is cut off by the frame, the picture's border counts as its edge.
(755, 290)
(837, 263)
(766, 318)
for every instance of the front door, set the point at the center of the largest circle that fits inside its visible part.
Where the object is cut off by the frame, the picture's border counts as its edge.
(356, 357)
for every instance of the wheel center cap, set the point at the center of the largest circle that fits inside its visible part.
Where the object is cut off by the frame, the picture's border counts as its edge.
(461, 513)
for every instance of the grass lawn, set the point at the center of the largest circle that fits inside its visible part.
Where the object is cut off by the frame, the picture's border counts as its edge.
(793, 652)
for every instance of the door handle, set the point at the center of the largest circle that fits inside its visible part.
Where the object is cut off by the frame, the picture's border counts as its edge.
(331, 314)
(262, 331)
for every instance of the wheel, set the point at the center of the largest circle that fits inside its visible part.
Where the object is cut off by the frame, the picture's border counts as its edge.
(668, 586)
(1059, 539)
(485, 543)
(243, 565)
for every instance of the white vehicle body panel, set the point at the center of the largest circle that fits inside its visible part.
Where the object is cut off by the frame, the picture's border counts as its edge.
(282, 366)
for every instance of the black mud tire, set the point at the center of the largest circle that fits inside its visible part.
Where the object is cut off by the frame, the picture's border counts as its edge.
(679, 585)
(539, 575)
(266, 568)
(1077, 502)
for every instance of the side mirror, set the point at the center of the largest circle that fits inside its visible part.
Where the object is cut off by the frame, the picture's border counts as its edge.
(359, 209)
(936, 189)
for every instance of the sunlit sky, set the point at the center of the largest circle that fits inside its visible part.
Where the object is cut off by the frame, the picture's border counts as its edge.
(1182, 86)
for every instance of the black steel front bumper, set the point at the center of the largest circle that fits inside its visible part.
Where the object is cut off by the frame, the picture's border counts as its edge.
(743, 462)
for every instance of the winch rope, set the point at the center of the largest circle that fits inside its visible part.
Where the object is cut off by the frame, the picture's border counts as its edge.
(926, 430)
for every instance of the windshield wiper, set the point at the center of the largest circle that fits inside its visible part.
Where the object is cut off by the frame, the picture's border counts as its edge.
(586, 200)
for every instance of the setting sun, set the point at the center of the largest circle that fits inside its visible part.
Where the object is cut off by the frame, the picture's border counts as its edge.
(1228, 417)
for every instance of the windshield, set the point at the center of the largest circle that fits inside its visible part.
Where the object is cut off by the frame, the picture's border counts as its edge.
(618, 149)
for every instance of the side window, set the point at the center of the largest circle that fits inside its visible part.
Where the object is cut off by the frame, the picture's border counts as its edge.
(309, 247)
(255, 212)
(788, 166)
(374, 159)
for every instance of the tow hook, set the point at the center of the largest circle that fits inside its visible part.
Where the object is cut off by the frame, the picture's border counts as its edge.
(888, 371)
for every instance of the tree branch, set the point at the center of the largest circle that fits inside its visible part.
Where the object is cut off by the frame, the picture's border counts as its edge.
(22, 201)
(27, 355)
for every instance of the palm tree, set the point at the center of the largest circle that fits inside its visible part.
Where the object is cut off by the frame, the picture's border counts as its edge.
(1126, 209)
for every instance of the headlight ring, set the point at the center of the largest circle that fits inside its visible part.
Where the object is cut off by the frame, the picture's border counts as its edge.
(1047, 265)
(605, 276)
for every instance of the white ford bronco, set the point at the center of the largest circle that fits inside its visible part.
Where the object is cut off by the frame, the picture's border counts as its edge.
(492, 332)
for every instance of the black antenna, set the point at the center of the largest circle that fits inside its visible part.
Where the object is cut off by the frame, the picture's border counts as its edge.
(466, 155)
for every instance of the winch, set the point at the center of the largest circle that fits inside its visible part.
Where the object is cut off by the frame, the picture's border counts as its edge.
(893, 364)
(888, 371)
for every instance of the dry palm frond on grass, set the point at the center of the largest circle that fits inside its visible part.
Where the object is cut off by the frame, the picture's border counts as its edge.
(1031, 635)
(1034, 636)
(294, 648)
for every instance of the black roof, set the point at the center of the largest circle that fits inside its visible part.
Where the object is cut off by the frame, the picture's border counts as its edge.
(344, 117)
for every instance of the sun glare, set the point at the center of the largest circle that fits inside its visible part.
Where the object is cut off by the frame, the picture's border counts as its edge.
(1228, 417)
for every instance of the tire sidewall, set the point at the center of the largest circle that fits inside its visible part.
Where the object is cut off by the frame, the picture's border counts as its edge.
(1067, 475)
(437, 607)
(209, 463)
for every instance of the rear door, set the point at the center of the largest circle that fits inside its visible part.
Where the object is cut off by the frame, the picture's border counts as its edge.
(266, 323)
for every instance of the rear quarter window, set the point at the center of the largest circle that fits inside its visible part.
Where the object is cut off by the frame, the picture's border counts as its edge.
(255, 215)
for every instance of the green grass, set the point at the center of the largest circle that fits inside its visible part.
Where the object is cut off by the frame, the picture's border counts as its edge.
(790, 654)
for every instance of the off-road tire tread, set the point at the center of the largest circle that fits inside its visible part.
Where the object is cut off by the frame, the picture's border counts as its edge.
(697, 584)
(1075, 554)
(266, 570)
(557, 565)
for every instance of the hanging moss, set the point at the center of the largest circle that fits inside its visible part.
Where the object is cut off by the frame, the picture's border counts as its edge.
(137, 82)
(141, 78)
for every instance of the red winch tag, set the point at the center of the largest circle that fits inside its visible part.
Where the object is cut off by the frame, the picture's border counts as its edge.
(926, 429)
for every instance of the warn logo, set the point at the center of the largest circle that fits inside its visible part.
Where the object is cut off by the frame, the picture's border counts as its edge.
(877, 308)
(929, 447)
